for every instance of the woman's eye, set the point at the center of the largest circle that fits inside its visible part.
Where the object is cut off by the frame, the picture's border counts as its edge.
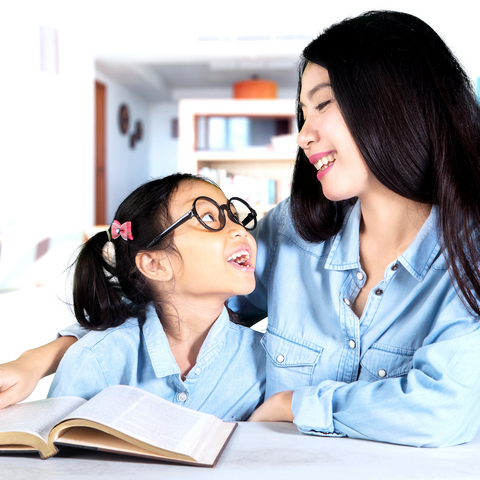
(322, 105)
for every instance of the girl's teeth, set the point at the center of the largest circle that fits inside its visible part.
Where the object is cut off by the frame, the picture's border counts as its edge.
(239, 254)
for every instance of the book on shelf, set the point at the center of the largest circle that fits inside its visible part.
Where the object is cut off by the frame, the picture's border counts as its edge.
(120, 419)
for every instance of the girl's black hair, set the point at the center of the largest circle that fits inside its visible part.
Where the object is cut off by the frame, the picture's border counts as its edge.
(414, 116)
(108, 291)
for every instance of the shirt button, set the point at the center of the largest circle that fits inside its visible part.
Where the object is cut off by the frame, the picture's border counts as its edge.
(382, 373)
(360, 275)
(280, 358)
(198, 371)
(346, 301)
(352, 343)
(182, 397)
(394, 267)
(379, 292)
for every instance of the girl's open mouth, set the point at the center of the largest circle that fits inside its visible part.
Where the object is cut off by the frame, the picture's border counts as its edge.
(241, 258)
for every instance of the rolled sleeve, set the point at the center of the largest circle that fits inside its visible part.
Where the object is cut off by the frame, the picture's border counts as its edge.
(73, 330)
(313, 411)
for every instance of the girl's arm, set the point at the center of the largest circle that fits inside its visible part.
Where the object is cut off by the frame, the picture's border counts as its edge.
(19, 378)
(277, 408)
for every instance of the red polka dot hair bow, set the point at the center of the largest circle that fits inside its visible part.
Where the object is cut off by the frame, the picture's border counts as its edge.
(124, 231)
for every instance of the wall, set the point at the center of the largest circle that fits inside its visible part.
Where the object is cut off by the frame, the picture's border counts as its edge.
(163, 147)
(46, 148)
(126, 167)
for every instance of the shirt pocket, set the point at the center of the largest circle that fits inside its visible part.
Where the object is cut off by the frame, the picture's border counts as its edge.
(290, 360)
(383, 361)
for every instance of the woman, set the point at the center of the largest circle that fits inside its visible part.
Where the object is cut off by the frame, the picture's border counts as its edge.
(378, 339)
(369, 274)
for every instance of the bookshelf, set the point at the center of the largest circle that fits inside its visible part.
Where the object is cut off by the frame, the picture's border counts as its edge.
(247, 146)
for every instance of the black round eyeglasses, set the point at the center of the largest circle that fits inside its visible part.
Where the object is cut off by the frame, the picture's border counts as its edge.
(210, 214)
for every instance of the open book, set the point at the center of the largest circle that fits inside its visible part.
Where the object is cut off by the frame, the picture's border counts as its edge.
(120, 419)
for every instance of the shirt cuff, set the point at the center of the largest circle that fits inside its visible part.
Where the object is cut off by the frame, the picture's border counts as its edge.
(74, 330)
(313, 411)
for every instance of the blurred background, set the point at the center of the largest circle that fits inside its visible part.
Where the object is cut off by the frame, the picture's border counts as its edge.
(100, 96)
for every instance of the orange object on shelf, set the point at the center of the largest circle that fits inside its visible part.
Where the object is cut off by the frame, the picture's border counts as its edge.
(255, 88)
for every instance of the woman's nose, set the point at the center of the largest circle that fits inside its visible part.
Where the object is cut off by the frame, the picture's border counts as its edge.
(307, 135)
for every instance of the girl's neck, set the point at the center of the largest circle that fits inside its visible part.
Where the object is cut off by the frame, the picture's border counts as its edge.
(186, 326)
(184, 323)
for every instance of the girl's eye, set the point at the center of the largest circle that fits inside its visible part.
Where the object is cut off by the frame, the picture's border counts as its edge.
(208, 217)
(234, 213)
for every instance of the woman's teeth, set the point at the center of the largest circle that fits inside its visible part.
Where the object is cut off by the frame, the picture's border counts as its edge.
(241, 257)
(325, 162)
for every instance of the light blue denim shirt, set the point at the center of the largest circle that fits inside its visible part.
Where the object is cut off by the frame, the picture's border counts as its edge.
(227, 381)
(407, 371)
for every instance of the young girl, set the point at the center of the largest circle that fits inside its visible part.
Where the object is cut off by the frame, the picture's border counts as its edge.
(152, 291)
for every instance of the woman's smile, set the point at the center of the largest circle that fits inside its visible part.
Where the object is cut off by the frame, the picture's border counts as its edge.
(322, 162)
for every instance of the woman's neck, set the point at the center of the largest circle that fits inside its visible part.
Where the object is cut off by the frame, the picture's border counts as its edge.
(391, 222)
(388, 226)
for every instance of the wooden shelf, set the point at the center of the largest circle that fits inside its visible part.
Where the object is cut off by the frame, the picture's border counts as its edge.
(257, 162)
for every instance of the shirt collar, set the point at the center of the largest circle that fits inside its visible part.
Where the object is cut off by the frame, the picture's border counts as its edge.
(158, 348)
(344, 253)
(424, 249)
(417, 258)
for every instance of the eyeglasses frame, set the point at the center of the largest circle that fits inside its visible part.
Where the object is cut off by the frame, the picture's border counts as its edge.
(193, 213)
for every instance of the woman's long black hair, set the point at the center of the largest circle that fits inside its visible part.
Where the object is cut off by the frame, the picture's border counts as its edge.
(414, 116)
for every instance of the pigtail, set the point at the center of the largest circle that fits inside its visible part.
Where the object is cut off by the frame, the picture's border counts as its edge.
(97, 296)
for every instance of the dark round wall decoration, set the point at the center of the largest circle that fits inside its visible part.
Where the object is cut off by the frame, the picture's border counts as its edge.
(123, 118)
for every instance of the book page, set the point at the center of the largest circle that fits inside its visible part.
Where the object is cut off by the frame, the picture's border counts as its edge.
(37, 418)
(148, 418)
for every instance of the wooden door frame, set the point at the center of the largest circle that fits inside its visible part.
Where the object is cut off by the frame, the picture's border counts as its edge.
(100, 153)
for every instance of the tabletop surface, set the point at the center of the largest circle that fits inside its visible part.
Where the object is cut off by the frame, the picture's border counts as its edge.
(263, 451)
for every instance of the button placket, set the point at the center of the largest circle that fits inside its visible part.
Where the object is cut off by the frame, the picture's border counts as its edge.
(350, 358)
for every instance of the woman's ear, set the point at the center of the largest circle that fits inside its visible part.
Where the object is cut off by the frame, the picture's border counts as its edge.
(154, 265)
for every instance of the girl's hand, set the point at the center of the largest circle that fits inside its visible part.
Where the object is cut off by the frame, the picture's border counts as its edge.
(19, 378)
(17, 382)
(277, 408)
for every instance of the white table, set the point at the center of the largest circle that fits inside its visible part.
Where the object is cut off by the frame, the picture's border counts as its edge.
(266, 451)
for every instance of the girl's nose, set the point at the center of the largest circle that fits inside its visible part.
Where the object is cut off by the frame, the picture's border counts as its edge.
(235, 229)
